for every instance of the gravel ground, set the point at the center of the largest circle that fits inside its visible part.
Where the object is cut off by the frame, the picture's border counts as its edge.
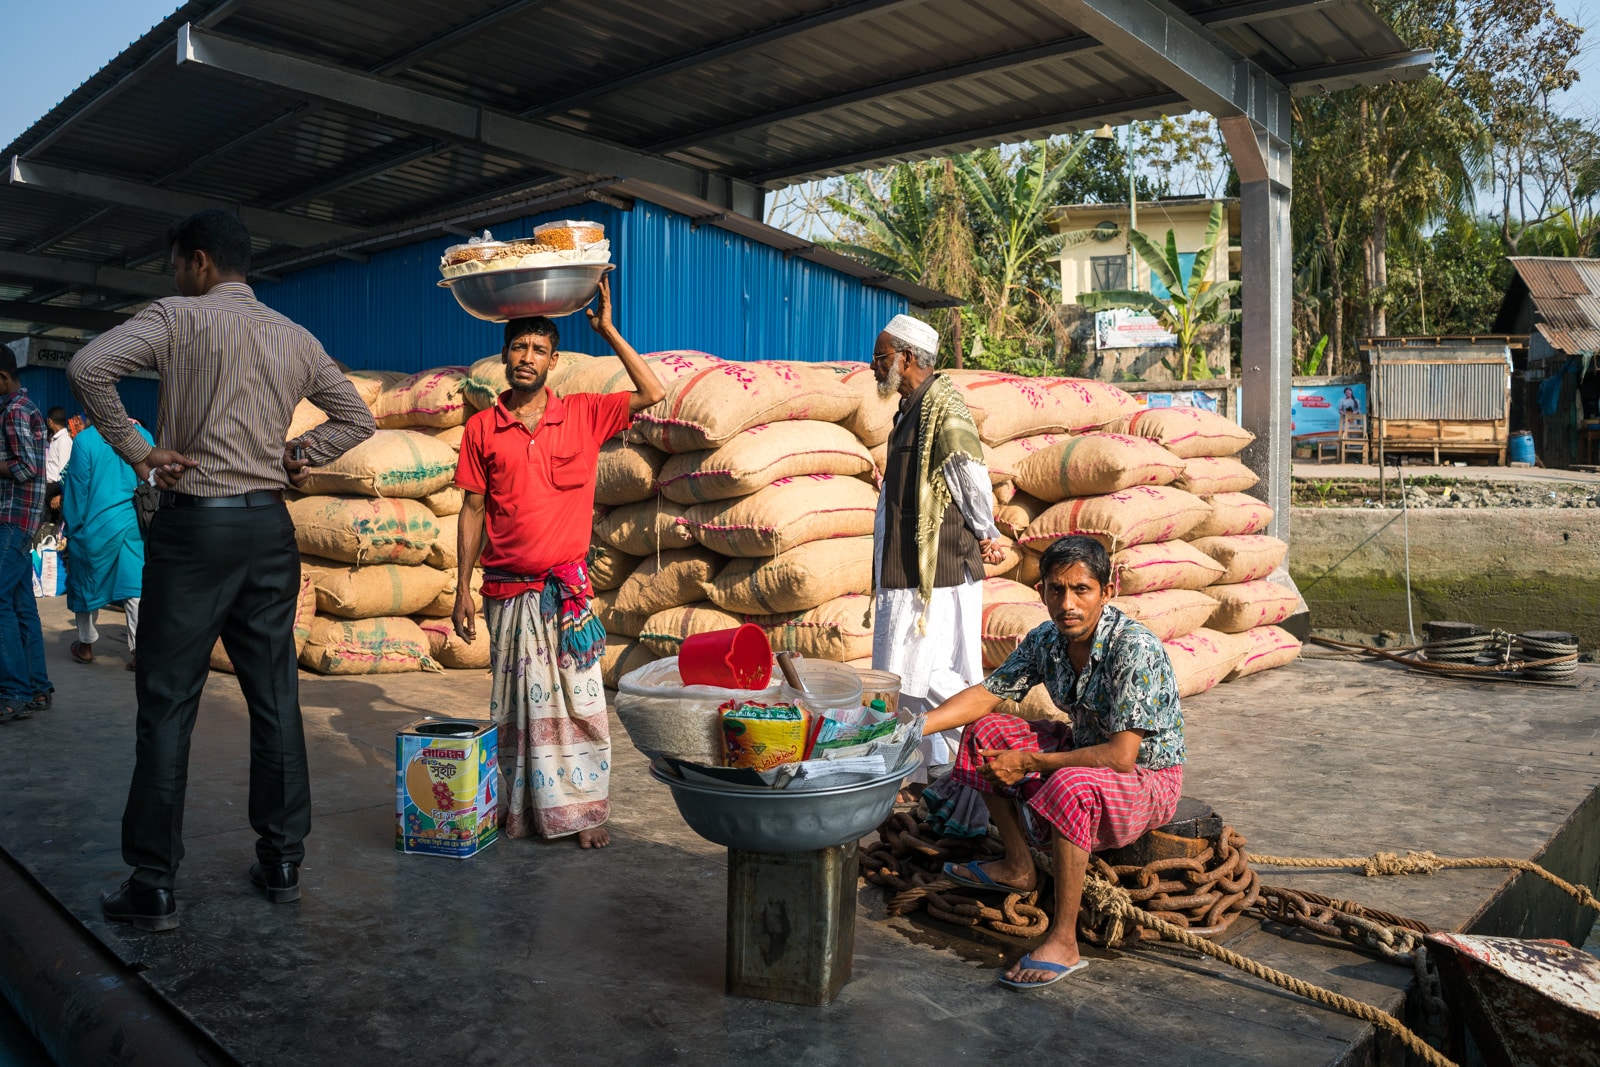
(1435, 492)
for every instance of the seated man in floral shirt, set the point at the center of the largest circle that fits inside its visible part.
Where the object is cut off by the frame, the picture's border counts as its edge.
(1098, 783)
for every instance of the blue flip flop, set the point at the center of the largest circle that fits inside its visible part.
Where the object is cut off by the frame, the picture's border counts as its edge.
(1058, 972)
(982, 881)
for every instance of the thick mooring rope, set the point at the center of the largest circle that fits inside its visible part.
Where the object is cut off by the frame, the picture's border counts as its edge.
(1382, 863)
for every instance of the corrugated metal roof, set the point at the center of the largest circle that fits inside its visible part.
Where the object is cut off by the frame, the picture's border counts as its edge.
(1566, 300)
(758, 91)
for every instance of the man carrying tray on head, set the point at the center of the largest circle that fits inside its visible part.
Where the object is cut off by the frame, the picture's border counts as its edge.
(528, 468)
(1101, 782)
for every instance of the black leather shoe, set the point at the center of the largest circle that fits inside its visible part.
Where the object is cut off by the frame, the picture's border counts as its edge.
(146, 909)
(280, 880)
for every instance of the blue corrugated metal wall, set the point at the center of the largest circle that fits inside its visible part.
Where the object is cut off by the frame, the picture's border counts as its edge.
(48, 388)
(675, 287)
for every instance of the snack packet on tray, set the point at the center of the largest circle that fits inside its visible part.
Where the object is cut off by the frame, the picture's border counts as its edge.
(764, 736)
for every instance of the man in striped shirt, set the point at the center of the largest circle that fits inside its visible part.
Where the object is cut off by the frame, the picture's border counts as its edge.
(24, 684)
(220, 558)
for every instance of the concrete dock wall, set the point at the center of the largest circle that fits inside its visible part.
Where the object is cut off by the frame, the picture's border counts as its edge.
(1515, 568)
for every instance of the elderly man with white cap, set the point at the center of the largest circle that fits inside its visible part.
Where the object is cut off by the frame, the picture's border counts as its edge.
(934, 532)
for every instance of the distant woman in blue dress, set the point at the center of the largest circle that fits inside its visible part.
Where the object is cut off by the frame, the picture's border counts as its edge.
(105, 562)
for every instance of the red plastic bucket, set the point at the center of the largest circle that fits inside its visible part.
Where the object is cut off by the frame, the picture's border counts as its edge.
(730, 659)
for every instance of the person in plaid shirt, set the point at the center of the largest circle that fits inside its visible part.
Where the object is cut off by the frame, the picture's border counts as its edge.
(24, 684)
(1098, 782)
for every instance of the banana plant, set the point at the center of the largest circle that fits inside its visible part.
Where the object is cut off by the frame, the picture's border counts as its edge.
(1192, 301)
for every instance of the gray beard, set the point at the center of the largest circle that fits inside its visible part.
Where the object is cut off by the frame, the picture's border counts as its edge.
(891, 385)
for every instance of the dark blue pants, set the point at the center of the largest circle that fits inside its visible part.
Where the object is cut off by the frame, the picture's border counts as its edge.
(22, 669)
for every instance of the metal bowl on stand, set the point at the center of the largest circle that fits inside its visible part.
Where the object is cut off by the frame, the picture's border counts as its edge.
(786, 820)
(522, 292)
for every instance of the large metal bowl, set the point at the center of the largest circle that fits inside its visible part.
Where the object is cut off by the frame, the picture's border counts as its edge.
(522, 292)
(784, 820)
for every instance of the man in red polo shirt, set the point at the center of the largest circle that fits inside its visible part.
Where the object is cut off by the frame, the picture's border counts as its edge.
(528, 468)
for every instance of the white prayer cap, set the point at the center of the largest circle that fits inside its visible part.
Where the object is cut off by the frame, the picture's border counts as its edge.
(913, 332)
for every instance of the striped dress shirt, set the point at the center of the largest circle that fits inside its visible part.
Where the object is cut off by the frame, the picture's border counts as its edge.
(232, 371)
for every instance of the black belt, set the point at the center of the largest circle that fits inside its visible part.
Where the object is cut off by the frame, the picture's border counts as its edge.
(260, 498)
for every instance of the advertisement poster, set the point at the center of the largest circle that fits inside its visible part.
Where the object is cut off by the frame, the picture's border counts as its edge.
(1202, 399)
(1315, 409)
(1124, 328)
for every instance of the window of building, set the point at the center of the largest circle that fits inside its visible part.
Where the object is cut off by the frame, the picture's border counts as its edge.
(1110, 272)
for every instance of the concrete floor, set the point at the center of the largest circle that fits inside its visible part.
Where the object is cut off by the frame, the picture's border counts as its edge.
(533, 951)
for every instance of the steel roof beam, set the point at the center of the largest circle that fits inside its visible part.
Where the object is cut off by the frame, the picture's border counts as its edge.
(558, 151)
(88, 275)
(56, 315)
(1155, 37)
(853, 9)
(464, 31)
(291, 229)
(1402, 66)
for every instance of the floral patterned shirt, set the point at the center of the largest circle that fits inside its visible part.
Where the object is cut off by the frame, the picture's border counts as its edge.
(1127, 685)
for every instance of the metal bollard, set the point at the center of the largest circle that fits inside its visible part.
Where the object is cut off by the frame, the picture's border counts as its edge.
(791, 923)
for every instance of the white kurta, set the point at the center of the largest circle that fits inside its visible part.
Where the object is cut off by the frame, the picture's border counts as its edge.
(946, 655)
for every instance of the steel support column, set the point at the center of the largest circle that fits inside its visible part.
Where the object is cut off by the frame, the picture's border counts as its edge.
(1263, 163)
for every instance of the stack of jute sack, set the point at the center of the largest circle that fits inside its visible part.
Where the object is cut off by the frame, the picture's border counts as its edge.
(1162, 490)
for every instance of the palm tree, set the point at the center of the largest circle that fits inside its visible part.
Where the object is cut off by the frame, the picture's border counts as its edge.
(1192, 301)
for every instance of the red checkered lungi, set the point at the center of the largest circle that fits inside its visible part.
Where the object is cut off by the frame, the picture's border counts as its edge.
(1095, 808)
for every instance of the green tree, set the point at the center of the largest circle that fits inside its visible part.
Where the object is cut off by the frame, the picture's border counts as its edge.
(1192, 301)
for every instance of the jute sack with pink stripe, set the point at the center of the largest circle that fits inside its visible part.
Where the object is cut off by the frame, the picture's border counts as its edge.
(669, 580)
(873, 419)
(626, 473)
(1017, 514)
(797, 580)
(359, 529)
(445, 646)
(1246, 605)
(1232, 513)
(373, 591)
(1004, 627)
(426, 398)
(1202, 659)
(608, 568)
(1005, 406)
(758, 456)
(486, 380)
(1008, 591)
(443, 605)
(1186, 432)
(706, 408)
(1168, 613)
(1093, 464)
(620, 623)
(664, 632)
(789, 512)
(1207, 475)
(1004, 460)
(389, 463)
(1244, 557)
(305, 609)
(1035, 705)
(837, 630)
(643, 528)
(1010, 559)
(1162, 565)
(1268, 647)
(366, 646)
(1137, 516)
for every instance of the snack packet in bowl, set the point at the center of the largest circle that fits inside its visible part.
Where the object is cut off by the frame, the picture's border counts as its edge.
(763, 736)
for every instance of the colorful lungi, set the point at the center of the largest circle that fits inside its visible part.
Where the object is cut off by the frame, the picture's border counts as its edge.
(555, 742)
(1095, 808)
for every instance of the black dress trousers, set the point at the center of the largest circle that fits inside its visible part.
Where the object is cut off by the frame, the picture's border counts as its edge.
(209, 572)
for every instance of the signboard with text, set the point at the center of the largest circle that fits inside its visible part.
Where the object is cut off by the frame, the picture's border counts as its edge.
(1315, 409)
(51, 352)
(1124, 328)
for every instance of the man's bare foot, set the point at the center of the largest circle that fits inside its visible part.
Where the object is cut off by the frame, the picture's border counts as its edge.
(1003, 874)
(1054, 950)
(910, 793)
(594, 837)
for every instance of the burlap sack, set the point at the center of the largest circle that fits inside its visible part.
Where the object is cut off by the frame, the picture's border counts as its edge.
(1004, 460)
(663, 633)
(799, 579)
(1008, 563)
(1244, 557)
(305, 609)
(1245, 606)
(669, 580)
(1006, 406)
(1232, 514)
(372, 592)
(606, 374)
(1202, 659)
(307, 417)
(627, 473)
(622, 656)
(365, 530)
(1137, 516)
(837, 630)
(450, 651)
(880, 456)
(448, 435)
(1186, 432)
(1208, 475)
(640, 529)
(1036, 705)
(366, 646)
(370, 384)
(426, 398)
(1162, 565)
(1168, 613)
(443, 605)
(400, 463)
(485, 381)
(443, 553)
(445, 504)
(1093, 464)
(707, 408)
(789, 512)
(1090, 404)
(756, 457)
(1016, 515)
(873, 420)
(1006, 591)
(619, 623)
(1266, 647)
(608, 568)
(1027, 572)
(1004, 492)
(1004, 627)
